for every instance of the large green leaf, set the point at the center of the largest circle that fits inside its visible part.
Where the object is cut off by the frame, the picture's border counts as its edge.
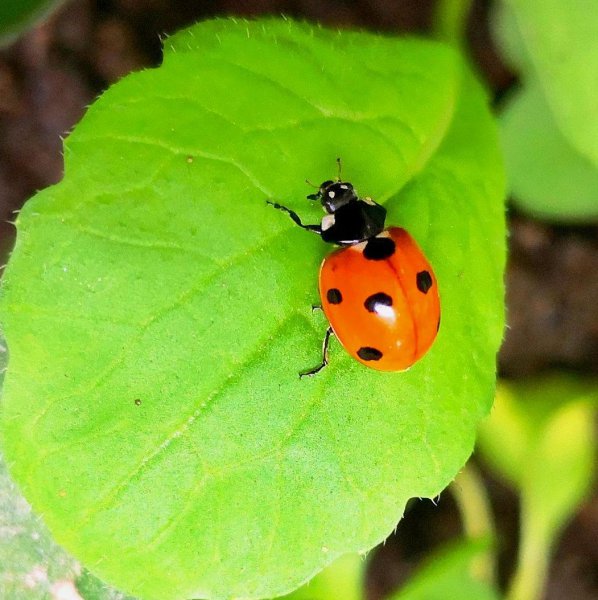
(157, 310)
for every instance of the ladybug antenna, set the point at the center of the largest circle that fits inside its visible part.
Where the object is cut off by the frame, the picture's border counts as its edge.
(340, 167)
(317, 187)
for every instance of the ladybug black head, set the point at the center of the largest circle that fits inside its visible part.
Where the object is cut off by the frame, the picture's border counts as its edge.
(334, 195)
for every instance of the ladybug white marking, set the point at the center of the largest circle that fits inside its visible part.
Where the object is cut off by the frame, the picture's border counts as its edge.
(327, 222)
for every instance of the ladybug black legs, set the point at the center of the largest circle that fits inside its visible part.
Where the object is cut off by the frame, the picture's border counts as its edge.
(324, 362)
(315, 228)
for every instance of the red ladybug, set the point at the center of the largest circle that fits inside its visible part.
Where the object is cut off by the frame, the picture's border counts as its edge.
(378, 291)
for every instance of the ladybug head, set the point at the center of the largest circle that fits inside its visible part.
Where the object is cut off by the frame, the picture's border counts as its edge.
(334, 194)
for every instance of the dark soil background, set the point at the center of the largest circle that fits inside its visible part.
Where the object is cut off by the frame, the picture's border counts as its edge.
(53, 72)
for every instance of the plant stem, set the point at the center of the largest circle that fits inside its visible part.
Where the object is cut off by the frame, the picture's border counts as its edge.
(449, 22)
(532, 565)
(472, 500)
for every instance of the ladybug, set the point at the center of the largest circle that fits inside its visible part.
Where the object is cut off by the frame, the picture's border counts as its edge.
(378, 290)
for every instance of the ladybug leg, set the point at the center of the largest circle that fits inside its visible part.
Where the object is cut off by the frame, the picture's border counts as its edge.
(315, 228)
(315, 307)
(324, 362)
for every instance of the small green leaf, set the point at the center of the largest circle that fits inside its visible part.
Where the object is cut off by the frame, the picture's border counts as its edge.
(541, 438)
(450, 573)
(16, 15)
(506, 32)
(547, 176)
(521, 418)
(157, 310)
(561, 41)
(341, 579)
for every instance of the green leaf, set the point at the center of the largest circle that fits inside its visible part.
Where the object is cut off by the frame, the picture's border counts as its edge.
(90, 587)
(549, 127)
(450, 573)
(504, 28)
(541, 438)
(547, 176)
(523, 415)
(31, 564)
(157, 310)
(16, 15)
(561, 41)
(3, 360)
(342, 579)
(450, 21)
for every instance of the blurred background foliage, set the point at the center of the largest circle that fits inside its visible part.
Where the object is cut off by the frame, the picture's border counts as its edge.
(17, 16)
(549, 122)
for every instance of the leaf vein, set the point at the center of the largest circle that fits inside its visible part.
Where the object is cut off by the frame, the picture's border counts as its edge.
(252, 355)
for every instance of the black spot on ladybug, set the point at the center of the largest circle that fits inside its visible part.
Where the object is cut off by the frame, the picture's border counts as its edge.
(424, 281)
(334, 296)
(375, 300)
(367, 353)
(379, 248)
